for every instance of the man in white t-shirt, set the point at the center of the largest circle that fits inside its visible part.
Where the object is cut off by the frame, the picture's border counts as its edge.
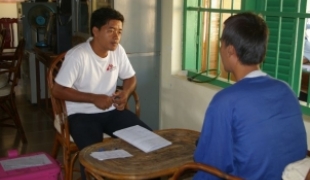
(87, 82)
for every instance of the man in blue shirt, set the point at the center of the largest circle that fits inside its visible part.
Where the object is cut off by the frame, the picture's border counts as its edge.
(253, 128)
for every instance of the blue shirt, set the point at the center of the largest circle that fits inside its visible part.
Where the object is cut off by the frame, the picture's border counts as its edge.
(252, 129)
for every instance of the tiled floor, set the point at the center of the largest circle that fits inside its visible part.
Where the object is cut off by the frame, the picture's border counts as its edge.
(38, 126)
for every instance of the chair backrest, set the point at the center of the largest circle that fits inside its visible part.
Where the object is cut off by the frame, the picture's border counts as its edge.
(58, 105)
(2, 37)
(11, 27)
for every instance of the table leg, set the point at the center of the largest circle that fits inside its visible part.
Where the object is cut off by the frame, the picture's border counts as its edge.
(89, 174)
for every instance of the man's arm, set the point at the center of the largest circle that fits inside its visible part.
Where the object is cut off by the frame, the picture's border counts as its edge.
(129, 85)
(215, 142)
(120, 97)
(69, 94)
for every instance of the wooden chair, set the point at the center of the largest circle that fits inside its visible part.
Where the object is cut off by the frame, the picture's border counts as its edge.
(8, 56)
(11, 27)
(62, 137)
(7, 94)
(8, 24)
(193, 167)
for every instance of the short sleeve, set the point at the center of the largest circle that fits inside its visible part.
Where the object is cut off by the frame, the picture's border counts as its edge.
(69, 70)
(125, 68)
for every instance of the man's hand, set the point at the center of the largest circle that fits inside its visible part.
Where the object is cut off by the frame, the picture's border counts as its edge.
(102, 101)
(120, 99)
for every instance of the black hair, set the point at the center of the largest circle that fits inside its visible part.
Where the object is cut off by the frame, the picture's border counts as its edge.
(248, 34)
(103, 15)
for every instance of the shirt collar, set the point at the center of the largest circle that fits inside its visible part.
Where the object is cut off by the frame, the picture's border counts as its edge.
(255, 73)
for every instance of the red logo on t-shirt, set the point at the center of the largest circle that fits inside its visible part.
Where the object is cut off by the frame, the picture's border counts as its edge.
(110, 67)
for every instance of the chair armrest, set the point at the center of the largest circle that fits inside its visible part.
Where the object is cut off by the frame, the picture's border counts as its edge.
(202, 167)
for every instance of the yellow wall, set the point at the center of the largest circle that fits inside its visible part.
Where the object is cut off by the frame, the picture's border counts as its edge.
(8, 10)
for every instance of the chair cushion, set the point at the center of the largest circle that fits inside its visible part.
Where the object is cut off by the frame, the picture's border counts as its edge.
(57, 127)
(3, 80)
(297, 170)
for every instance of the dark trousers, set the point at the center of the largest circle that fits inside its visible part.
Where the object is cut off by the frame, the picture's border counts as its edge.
(88, 129)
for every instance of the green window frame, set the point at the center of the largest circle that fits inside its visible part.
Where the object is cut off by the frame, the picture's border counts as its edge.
(286, 22)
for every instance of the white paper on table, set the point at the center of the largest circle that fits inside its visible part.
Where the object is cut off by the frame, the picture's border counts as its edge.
(25, 162)
(103, 155)
(142, 138)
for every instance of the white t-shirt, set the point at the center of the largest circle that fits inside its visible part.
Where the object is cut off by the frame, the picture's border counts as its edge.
(85, 71)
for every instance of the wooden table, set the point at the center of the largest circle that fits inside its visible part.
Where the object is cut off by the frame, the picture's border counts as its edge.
(159, 163)
(45, 56)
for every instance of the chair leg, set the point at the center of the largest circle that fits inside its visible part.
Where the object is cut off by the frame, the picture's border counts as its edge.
(73, 159)
(56, 147)
(89, 174)
(66, 162)
(20, 128)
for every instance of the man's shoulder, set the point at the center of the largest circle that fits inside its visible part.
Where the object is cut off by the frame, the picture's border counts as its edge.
(78, 50)
(79, 47)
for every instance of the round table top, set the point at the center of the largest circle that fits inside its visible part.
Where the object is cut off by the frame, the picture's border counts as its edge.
(158, 163)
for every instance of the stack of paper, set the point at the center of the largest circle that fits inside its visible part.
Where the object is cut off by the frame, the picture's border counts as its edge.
(103, 155)
(142, 138)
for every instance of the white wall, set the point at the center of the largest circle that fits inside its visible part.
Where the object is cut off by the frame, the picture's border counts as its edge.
(182, 103)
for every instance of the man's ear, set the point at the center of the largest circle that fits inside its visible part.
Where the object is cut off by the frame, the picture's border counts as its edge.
(231, 50)
(232, 54)
(95, 30)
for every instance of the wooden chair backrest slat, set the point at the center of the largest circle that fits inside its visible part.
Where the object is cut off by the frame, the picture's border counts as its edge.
(8, 25)
(2, 40)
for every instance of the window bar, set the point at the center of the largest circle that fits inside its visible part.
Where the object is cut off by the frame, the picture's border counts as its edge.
(184, 34)
(293, 67)
(231, 8)
(308, 92)
(220, 29)
(278, 42)
(293, 75)
(208, 47)
(198, 34)
(204, 59)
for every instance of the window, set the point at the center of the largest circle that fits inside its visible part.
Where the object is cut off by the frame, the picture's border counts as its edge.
(203, 24)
